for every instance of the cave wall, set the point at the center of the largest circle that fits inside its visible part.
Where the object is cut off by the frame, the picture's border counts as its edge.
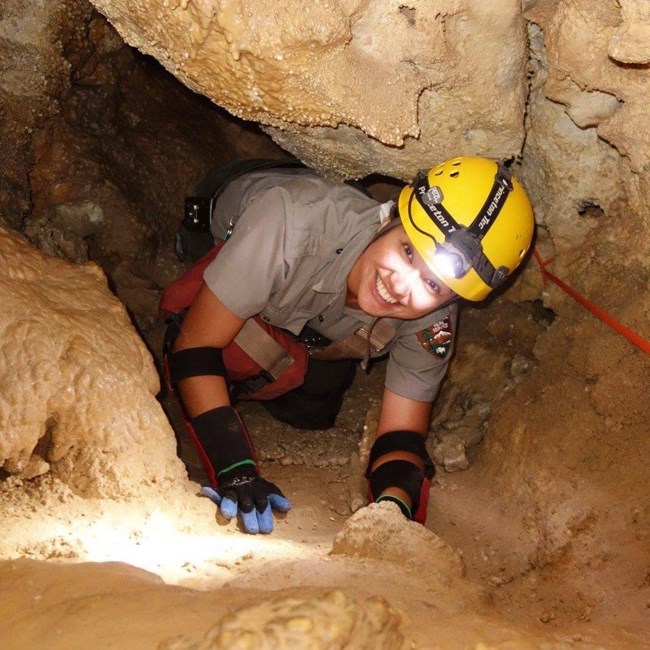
(388, 87)
(101, 146)
(569, 441)
(351, 87)
(78, 384)
(588, 139)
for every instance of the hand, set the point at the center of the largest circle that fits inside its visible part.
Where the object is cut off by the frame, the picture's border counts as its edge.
(254, 497)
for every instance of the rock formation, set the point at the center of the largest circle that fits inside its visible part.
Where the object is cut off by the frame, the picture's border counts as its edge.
(351, 87)
(79, 385)
(545, 403)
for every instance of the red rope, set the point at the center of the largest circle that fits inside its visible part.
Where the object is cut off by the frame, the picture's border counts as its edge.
(631, 336)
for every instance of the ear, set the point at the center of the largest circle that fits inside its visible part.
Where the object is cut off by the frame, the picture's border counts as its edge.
(387, 222)
(391, 222)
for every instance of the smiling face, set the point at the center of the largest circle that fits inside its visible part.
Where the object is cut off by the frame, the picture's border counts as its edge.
(391, 280)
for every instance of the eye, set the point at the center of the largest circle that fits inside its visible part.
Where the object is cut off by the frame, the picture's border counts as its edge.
(432, 286)
(408, 251)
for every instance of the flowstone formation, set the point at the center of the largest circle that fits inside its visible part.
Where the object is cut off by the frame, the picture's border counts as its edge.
(351, 87)
(78, 384)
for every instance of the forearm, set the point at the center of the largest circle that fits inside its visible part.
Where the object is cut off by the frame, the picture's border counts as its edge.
(399, 467)
(222, 441)
(204, 393)
(398, 413)
(209, 325)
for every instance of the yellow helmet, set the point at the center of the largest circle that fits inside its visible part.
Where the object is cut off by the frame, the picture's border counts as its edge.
(471, 222)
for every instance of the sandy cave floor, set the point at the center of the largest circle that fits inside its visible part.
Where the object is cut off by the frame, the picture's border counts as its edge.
(155, 573)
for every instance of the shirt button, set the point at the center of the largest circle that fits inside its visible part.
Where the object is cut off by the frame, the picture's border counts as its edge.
(339, 251)
(320, 318)
(265, 319)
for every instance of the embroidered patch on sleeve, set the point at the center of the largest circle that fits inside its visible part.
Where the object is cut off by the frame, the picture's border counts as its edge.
(436, 339)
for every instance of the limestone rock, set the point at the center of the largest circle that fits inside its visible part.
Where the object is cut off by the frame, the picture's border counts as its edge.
(381, 532)
(328, 621)
(350, 87)
(78, 384)
(450, 453)
(588, 143)
(631, 40)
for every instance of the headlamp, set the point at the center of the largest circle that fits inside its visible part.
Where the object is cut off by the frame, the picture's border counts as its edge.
(462, 249)
(461, 252)
(448, 263)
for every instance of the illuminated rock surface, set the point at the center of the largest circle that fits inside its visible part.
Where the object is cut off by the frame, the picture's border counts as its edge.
(425, 80)
(78, 384)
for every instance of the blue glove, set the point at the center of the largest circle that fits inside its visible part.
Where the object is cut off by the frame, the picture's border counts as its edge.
(253, 497)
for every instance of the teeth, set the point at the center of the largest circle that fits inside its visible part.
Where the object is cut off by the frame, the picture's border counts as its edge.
(383, 291)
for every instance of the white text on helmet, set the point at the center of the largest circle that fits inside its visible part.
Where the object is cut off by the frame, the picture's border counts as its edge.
(492, 207)
(435, 211)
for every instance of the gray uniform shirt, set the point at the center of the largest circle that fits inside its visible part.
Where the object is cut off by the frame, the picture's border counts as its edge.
(296, 238)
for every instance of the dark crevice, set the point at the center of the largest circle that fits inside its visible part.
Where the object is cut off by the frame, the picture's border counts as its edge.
(408, 13)
(590, 208)
(540, 313)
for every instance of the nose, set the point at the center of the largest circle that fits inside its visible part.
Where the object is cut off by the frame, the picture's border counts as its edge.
(404, 281)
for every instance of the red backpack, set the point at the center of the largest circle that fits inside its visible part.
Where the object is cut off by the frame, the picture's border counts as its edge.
(258, 378)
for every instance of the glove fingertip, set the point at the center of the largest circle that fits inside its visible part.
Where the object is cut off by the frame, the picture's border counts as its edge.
(211, 493)
(250, 523)
(279, 503)
(265, 520)
(228, 508)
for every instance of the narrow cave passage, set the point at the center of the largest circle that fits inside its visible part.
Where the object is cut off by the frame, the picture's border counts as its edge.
(538, 520)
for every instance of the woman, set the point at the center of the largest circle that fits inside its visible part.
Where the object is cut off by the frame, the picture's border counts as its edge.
(304, 252)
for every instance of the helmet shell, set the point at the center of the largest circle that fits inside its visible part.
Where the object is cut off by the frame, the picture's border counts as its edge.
(464, 184)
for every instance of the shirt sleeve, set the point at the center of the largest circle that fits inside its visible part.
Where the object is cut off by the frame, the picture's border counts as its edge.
(251, 266)
(417, 365)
